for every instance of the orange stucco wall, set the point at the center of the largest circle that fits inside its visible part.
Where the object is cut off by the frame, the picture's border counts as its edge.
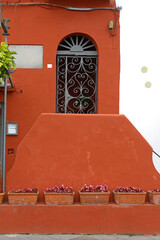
(73, 150)
(35, 89)
(110, 219)
(79, 149)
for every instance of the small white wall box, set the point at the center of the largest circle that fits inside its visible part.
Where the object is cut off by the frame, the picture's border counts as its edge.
(49, 65)
(111, 25)
(12, 128)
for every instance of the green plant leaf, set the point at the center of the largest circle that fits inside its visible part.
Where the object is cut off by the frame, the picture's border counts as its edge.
(7, 60)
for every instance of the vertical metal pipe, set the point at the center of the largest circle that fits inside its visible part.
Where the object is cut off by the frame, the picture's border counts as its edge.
(5, 37)
(4, 135)
(4, 131)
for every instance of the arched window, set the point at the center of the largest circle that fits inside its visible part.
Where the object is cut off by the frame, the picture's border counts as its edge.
(76, 76)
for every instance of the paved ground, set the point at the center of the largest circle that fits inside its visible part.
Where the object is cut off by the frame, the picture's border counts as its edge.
(76, 237)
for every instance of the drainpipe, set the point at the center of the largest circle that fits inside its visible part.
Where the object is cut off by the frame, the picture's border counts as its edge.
(4, 116)
(4, 135)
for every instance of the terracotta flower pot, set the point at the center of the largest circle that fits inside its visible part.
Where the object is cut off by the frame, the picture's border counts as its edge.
(52, 198)
(22, 198)
(154, 197)
(129, 197)
(1, 197)
(96, 198)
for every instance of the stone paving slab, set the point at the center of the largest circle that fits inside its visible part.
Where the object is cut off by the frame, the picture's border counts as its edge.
(76, 237)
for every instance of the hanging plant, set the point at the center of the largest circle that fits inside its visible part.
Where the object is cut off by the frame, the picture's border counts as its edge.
(7, 60)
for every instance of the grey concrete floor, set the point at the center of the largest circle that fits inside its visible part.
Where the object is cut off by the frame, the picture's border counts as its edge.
(76, 237)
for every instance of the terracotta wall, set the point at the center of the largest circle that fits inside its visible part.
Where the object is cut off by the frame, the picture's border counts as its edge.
(77, 149)
(35, 89)
(93, 219)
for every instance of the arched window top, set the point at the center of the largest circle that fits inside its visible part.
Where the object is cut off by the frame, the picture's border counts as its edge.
(76, 45)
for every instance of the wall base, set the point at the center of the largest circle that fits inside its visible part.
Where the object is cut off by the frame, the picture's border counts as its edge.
(110, 219)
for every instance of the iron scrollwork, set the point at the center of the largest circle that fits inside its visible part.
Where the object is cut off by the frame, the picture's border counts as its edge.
(76, 84)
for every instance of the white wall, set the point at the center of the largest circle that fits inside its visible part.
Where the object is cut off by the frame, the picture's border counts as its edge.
(140, 46)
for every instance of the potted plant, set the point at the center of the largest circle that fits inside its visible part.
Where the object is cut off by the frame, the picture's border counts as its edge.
(59, 195)
(129, 195)
(1, 196)
(7, 60)
(154, 196)
(27, 196)
(94, 195)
